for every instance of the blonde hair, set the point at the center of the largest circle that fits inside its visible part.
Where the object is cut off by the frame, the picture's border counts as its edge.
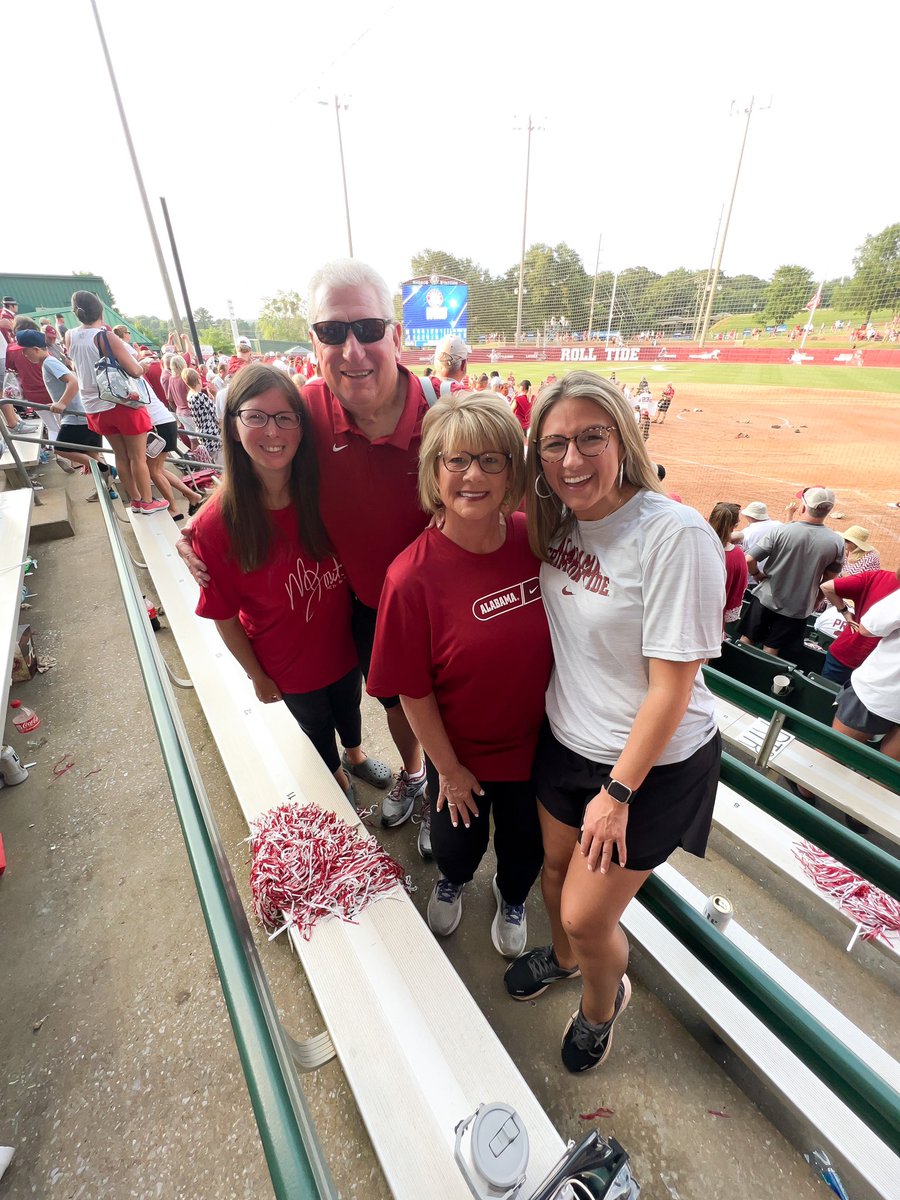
(472, 421)
(191, 377)
(167, 362)
(177, 365)
(548, 518)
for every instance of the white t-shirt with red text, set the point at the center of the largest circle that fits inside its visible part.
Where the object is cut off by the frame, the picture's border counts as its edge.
(646, 582)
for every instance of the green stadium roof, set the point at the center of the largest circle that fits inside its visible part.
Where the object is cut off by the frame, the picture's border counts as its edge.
(35, 292)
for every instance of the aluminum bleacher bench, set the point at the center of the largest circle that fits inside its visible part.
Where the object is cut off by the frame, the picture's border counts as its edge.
(15, 523)
(854, 1146)
(401, 1058)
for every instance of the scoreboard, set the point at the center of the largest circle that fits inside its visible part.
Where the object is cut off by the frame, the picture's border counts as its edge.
(432, 308)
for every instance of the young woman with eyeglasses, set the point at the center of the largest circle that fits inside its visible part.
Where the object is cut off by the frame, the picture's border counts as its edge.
(278, 595)
(627, 763)
(462, 639)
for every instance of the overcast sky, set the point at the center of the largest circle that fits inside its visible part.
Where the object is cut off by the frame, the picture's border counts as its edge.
(637, 141)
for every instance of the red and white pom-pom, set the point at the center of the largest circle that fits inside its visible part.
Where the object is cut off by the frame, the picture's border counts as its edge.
(308, 863)
(877, 915)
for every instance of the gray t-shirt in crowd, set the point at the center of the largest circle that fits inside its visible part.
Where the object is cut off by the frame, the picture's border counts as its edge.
(796, 557)
(54, 372)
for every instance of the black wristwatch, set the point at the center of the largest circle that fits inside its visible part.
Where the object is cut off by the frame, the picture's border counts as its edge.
(619, 791)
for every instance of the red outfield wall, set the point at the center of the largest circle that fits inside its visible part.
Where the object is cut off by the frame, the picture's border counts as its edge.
(868, 356)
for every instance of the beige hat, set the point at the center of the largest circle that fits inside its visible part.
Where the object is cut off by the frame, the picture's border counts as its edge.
(450, 347)
(757, 510)
(858, 536)
(818, 497)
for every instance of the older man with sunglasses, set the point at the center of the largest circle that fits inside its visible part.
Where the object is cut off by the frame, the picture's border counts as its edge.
(367, 414)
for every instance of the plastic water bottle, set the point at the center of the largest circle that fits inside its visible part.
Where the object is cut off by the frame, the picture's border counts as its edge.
(11, 769)
(24, 719)
(153, 615)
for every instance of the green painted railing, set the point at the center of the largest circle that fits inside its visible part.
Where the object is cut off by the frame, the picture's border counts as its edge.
(845, 750)
(873, 1100)
(294, 1157)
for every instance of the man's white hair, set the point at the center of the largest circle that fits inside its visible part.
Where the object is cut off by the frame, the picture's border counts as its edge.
(348, 272)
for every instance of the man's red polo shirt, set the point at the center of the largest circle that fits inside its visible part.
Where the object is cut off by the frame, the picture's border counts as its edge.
(368, 490)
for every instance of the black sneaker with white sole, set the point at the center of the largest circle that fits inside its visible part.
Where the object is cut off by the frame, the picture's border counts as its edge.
(584, 1045)
(534, 972)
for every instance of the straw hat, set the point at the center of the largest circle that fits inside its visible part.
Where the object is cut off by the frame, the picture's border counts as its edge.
(859, 537)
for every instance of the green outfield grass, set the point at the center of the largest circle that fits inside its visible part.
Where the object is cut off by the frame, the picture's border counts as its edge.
(822, 317)
(787, 376)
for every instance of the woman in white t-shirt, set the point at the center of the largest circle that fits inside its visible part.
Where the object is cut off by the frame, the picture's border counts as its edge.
(628, 761)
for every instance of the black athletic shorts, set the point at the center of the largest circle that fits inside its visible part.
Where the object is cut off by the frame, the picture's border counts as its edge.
(362, 621)
(168, 431)
(673, 806)
(853, 713)
(769, 628)
(79, 435)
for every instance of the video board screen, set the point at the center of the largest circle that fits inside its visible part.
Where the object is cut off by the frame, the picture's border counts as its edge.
(432, 310)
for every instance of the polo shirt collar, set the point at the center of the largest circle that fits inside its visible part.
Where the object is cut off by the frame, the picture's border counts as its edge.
(408, 426)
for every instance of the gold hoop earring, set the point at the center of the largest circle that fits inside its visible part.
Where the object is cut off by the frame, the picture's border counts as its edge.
(539, 493)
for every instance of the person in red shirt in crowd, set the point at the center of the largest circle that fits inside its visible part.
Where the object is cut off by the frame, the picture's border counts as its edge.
(724, 518)
(278, 595)
(850, 648)
(153, 372)
(242, 357)
(7, 316)
(462, 637)
(31, 379)
(366, 412)
(522, 405)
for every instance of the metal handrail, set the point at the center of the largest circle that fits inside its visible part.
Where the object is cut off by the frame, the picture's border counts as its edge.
(856, 755)
(294, 1157)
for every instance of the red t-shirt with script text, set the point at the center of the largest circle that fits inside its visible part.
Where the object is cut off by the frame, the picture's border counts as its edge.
(294, 610)
(471, 628)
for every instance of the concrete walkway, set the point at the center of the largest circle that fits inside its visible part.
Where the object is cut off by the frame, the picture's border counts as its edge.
(120, 1074)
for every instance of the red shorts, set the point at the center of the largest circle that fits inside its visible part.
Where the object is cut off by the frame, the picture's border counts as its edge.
(127, 422)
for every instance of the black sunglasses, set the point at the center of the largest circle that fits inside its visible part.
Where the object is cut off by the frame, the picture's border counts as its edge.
(366, 330)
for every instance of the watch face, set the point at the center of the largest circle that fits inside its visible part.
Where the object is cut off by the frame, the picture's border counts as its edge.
(619, 791)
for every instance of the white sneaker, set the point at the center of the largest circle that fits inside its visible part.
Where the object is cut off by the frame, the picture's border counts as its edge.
(509, 930)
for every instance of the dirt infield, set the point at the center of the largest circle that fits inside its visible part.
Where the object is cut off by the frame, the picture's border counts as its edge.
(792, 439)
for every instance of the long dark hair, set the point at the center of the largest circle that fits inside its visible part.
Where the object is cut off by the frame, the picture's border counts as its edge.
(240, 497)
(87, 306)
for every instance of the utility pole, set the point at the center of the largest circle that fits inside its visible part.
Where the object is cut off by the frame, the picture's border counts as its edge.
(709, 270)
(161, 262)
(612, 305)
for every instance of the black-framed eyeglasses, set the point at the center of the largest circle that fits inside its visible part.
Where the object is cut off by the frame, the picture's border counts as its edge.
(492, 462)
(254, 419)
(590, 443)
(366, 330)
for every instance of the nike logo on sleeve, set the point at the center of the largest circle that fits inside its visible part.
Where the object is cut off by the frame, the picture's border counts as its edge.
(337, 448)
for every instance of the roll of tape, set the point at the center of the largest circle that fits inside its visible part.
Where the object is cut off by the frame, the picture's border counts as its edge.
(718, 912)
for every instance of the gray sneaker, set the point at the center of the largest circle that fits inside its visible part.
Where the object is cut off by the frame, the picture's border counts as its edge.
(424, 842)
(445, 907)
(398, 804)
(509, 931)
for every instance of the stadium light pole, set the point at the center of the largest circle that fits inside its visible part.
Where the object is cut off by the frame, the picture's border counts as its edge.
(530, 130)
(590, 328)
(612, 305)
(154, 237)
(704, 329)
(709, 270)
(337, 113)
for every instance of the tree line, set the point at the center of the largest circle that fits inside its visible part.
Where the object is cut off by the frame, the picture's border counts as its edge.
(559, 294)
